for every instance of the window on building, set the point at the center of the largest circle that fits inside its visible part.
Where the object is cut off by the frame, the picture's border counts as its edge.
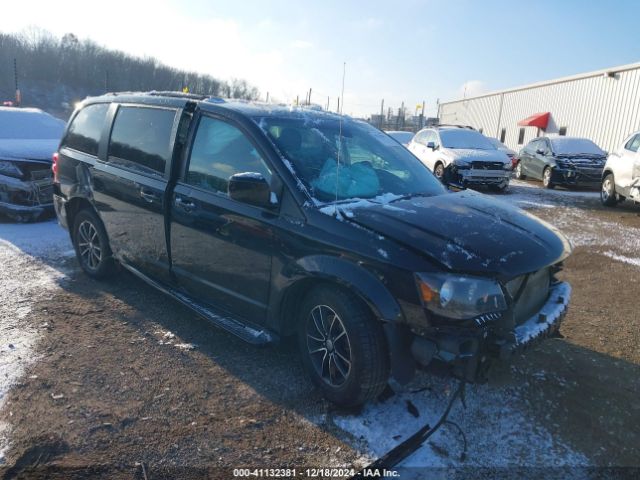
(503, 134)
(563, 131)
(141, 139)
(86, 128)
(521, 137)
(219, 151)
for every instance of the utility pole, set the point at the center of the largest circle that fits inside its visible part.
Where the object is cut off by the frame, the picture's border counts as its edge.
(402, 114)
(309, 99)
(381, 114)
(267, 97)
(327, 103)
(422, 116)
(106, 80)
(297, 100)
(15, 77)
(338, 111)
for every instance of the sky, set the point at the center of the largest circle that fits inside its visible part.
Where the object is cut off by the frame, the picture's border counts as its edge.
(400, 51)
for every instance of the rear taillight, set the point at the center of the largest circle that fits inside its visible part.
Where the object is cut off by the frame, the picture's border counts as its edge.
(54, 167)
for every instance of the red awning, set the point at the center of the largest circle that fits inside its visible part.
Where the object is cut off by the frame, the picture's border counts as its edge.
(540, 120)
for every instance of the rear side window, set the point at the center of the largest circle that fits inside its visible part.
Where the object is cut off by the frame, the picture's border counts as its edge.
(219, 151)
(633, 144)
(85, 129)
(141, 139)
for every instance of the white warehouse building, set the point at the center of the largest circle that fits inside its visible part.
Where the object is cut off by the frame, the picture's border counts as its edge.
(603, 106)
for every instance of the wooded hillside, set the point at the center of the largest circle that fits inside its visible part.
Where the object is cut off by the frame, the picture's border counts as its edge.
(54, 73)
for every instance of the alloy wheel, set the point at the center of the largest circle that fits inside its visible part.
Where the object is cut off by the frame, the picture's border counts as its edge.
(546, 177)
(328, 345)
(518, 170)
(607, 189)
(89, 245)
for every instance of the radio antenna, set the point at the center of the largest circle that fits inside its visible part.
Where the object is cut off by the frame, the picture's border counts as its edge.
(335, 205)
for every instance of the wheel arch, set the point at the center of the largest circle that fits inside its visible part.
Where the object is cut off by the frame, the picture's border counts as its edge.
(323, 269)
(75, 205)
(607, 171)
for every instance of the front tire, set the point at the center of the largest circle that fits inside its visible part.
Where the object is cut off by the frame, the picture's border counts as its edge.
(499, 188)
(546, 178)
(92, 245)
(518, 173)
(608, 195)
(438, 171)
(343, 347)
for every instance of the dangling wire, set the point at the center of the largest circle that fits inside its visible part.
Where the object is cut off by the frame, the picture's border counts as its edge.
(335, 205)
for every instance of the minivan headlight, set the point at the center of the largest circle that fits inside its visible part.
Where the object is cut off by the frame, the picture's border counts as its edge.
(10, 169)
(458, 296)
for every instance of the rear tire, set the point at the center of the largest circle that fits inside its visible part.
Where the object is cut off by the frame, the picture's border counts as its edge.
(608, 195)
(546, 178)
(91, 244)
(343, 347)
(518, 172)
(438, 171)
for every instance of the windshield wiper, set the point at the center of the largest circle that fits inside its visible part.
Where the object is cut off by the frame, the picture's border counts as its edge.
(412, 195)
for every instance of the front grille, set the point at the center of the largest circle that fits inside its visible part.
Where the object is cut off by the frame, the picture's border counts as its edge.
(534, 295)
(41, 174)
(487, 165)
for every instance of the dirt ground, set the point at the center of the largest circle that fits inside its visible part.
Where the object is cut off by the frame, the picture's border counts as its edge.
(126, 383)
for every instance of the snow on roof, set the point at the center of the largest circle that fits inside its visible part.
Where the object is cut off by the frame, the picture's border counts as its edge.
(29, 123)
(568, 145)
(464, 138)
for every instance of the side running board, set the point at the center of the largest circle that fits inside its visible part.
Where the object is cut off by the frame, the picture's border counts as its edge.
(253, 335)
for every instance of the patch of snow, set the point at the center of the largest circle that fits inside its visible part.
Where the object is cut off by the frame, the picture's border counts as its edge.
(499, 430)
(622, 258)
(29, 254)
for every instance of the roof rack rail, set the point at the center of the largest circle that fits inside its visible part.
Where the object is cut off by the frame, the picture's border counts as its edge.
(169, 93)
(468, 127)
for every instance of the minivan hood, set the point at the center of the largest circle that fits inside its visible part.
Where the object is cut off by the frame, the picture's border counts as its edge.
(468, 232)
(28, 149)
(458, 155)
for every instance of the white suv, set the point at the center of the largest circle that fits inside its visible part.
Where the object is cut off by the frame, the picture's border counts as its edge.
(621, 174)
(462, 156)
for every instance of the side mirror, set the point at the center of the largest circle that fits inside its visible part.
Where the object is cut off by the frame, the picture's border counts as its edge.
(431, 145)
(540, 151)
(251, 188)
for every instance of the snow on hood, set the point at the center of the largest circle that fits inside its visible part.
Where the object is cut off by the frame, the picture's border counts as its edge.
(467, 232)
(40, 150)
(462, 155)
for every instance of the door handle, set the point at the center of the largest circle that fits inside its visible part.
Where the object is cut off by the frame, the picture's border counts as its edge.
(186, 204)
(149, 196)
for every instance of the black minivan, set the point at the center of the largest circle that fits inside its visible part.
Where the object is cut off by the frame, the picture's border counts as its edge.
(272, 221)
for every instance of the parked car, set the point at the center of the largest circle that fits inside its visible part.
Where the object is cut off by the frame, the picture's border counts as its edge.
(621, 174)
(503, 148)
(270, 221)
(569, 161)
(462, 156)
(28, 139)
(402, 137)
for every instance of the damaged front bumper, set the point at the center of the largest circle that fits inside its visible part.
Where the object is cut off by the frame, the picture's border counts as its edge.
(576, 176)
(25, 198)
(469, 352)
(479, 176)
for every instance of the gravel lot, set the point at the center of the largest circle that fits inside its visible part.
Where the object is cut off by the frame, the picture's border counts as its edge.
(116, 380)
